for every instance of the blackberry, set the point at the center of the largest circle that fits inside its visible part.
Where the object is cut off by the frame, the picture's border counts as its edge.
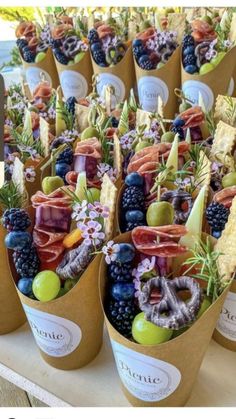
(28, 56)
(56, 43)
(130, 226)
(188, 41)
(121, 315)
(61, 58)
(66, 156)
(217, 216)
(118, 272)
(93, 36)
(16, 219)
(26, 262)
(189, 60)
(21, 43)
(145, 63)
(99, 57)
(70, 104)
(133, 198)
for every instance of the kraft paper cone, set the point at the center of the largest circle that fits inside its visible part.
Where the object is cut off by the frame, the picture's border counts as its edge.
(11, 312)
(161, 375)
(210, 84)
(225, 331)
(68, 330)
(36, 185)
(76, 79)
(160, 82)
(46, 67)
(121, 76)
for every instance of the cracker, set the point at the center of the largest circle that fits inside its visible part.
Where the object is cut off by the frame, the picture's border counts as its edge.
(227, 245)
(44, 136)
(81, 115)
(232, 32)
(108, 198)
(223, 144)
(222, 110)
(177, 23)
(18, 177)
(117, 155)
(143, 118)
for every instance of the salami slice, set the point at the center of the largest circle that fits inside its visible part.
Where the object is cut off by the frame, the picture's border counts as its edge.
(58, 198)
(89, 148)
(192, 117)
(49, 244)
(159, 241)
(226, 196)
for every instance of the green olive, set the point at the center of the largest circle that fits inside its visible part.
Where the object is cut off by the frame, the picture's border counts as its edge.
(229, 180)
(160, 214)
(89, 133)
(168, 137)
(184, 106)
(141, 145)
(207, 19)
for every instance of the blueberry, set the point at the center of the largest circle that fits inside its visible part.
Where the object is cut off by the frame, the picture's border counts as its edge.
(62, 169)
(122, 291)
(134, 216)
(216, 234)
(17, 239)
(96, 46)
(191, 69)
(189, 50)
(178, 122)
(134, 179)
(126, 253)
(25, 285)
(137, 43)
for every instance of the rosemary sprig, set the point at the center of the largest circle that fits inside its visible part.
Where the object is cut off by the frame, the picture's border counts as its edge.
(230, 110)
(205, 260)
(67, 116)
(210, 122)
(10, 197)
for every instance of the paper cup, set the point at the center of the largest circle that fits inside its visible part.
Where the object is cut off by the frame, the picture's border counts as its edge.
(211, 84)
(161, 375)
(36, 185)
(121, 76)
(69, 330)
(160, 82)
(76, 79)
(225, 331)
(11, 312)
(46, 67)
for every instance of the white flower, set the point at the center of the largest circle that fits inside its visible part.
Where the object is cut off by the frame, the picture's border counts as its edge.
(106, 168)
(97, 210)
(80, 211)
(30, 174)
(110, 250)
(228, 43)
(91, 232)
(145, 266)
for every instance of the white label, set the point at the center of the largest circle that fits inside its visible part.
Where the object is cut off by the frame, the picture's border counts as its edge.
(149, 88)
(231, 87)
(54, 335)
(191, 89)
(73, 84)
(106, 79)
(34, 76)
(227, 321)
(146, 378)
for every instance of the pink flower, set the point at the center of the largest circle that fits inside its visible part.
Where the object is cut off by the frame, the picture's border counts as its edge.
(146, 266)
(110, 250)
(91, 232)
(97, 210)
(106, 168)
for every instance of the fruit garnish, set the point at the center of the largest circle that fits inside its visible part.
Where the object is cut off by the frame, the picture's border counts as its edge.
(160, 213)
(172, 161)
(73, 238)
(46, 286)
(60, 122)
(147, 333)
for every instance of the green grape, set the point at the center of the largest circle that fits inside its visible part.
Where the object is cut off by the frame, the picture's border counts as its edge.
(46, 285)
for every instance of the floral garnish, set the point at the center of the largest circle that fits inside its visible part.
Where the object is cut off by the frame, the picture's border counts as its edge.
(80, 211)
(144, 270)
(110, 250)
(106, 168)
(30, 174)
(91, 232)
(97, 210)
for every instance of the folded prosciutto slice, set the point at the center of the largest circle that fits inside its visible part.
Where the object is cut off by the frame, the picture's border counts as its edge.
(159, 241)
(53, 211)
(89, 148)
(192, 117)
(147, 159)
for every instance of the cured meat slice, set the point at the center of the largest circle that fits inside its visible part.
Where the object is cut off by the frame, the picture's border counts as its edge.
(49, 245)
(89, 148)
(192, 117)
(226, 196)
(71, 179)
(159, 241)
(58, 198)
